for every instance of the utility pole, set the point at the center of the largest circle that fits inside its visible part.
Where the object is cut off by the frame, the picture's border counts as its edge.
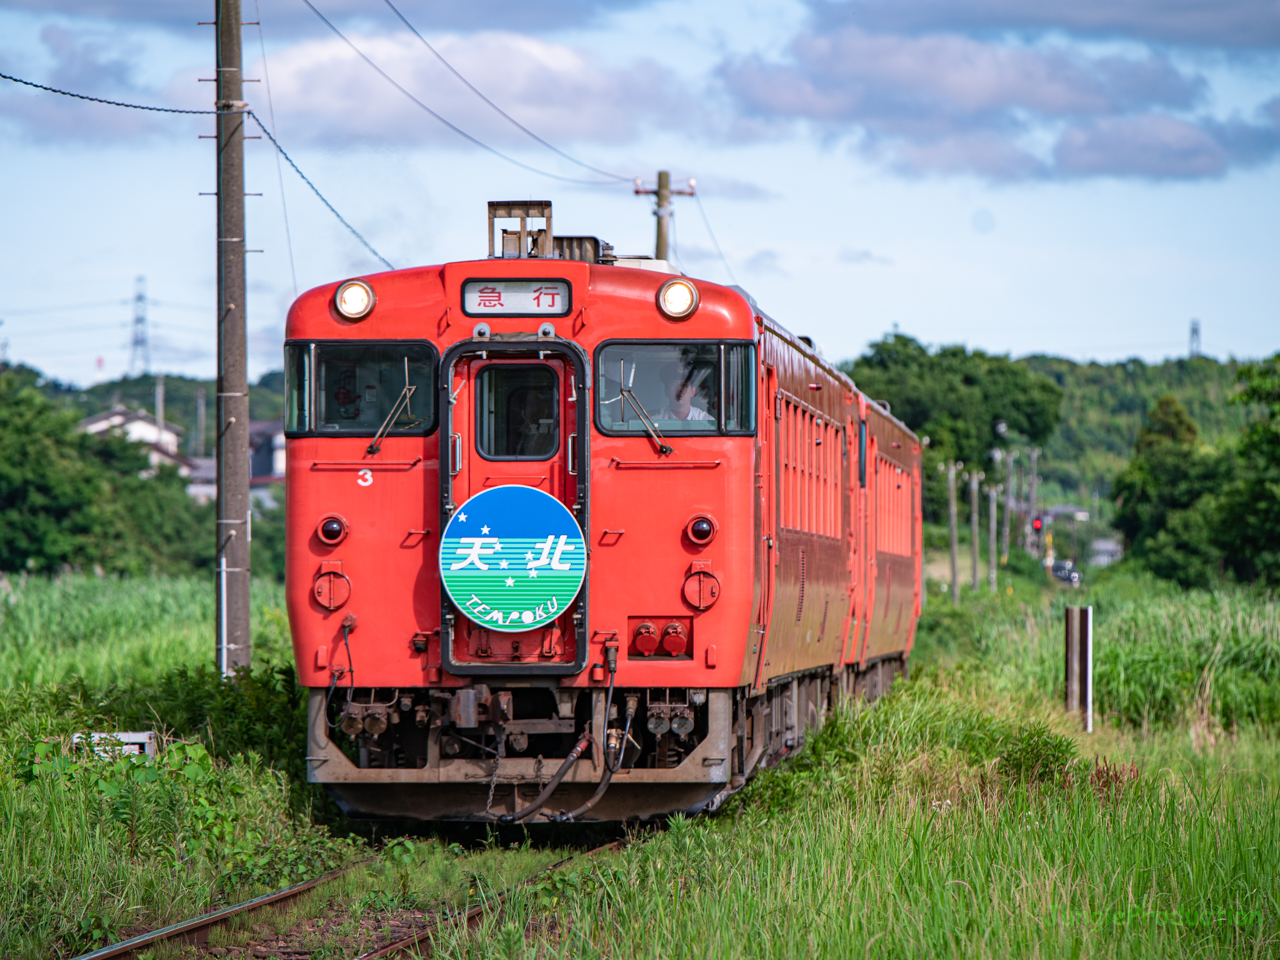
(1022, 511)
(662, 210)
(1195, 338)
(992, 491)
(1009, 457)
(975, 477)
(951, 467)
(197, 436)
(1033, 542)
(233, 384)
(160, 414)
(139, 348)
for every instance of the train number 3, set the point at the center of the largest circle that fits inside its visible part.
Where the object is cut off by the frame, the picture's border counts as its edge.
(364, 477)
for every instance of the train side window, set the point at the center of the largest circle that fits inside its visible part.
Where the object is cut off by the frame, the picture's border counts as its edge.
(350, 388)
(516, 412)
(684, 388)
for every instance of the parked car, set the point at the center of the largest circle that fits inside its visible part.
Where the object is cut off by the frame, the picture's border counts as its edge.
(1066, 571)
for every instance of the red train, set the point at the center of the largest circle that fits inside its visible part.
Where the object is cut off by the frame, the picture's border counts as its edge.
(574, 536)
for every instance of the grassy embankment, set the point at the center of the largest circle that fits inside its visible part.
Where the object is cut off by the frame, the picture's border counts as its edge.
(964, 815)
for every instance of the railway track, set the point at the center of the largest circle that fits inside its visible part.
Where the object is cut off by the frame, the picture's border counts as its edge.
(196, 930)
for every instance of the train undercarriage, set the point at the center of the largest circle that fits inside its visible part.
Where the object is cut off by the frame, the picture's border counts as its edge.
(493, 751)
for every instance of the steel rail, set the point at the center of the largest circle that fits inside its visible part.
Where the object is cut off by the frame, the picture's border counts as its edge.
(415, 939)
(197, 930)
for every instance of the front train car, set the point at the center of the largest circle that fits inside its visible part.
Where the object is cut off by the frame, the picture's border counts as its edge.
(531, 560)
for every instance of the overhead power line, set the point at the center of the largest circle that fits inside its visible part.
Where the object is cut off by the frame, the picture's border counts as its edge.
(249, 113)
(454, 127)
(506, 116)
(712, 234)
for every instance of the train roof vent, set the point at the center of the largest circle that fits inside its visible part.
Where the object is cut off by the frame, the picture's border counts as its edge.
(588, 249)
(524, 242)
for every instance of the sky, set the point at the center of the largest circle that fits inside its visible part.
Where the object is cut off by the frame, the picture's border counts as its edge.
(1076, 178)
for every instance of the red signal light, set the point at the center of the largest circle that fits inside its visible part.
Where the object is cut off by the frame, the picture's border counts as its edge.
(1037, 524)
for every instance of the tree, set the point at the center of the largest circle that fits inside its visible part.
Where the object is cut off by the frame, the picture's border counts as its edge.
(72, 499)
(1250, 512)
(1167, 497)
(959, 399)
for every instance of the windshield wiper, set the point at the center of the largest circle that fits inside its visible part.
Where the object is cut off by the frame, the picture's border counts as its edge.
(646, 421)
(403, 399)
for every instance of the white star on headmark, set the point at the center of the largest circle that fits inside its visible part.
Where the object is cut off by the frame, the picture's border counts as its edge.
(533, 574)
(462, 518)
(528, 556)
(484, 531)
(511, 581)
(502, 564)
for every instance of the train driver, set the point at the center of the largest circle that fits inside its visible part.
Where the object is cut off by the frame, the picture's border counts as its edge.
(681, 389)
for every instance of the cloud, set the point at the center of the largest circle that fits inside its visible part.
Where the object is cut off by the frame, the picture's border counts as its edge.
(1194, 23)
(765, 261)
(291, 19)
(947, 103)
(859, 258)
(90, 66)
(563, 93)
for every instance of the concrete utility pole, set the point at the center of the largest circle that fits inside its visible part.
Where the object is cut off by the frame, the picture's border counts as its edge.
(1033, 542)
(197, 436)
(233, 383)
(992, 491)
(662, 210)
(975, 477)
(1009, 457)
(160, 413)
(952, 520)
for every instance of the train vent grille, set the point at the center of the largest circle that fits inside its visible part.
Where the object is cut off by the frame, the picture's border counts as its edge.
(800, 603)
(822, 627)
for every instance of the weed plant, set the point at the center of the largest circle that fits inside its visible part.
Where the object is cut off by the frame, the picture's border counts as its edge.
(92, 847)
(119, 629)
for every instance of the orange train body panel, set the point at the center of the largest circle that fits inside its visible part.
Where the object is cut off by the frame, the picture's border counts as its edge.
(807, 492)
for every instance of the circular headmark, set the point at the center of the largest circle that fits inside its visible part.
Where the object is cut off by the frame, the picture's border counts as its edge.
(354, 300)
(512, 558)
(678, 299)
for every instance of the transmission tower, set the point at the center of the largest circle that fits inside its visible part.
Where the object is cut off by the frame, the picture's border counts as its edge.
(1195, 338)
(139, 348)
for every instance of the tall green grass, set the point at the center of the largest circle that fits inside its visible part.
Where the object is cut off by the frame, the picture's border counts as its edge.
(113, 629)
(1162, 656)
(942, 823)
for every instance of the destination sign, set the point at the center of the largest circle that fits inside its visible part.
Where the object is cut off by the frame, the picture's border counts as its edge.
(516, 298)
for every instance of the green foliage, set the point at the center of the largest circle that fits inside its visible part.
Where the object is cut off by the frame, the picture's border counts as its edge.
(1105, 405)
(70, 499)
(1167, 497)
(90, 845)
(267, 546)
(1193, 513)
(1252, 504)
(958, 399)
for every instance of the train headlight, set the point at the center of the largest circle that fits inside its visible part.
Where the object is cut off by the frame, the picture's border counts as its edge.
(678, 299)
(354, 299)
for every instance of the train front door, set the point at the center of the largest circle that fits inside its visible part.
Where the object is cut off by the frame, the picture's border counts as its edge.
(511, 415)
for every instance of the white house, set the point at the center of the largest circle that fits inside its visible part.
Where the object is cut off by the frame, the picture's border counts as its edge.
(138, 426)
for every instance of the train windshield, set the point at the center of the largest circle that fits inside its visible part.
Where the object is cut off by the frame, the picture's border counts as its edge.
(351, 388)
(682, 388)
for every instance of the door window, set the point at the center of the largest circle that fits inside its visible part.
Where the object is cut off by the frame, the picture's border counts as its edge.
(516, 415)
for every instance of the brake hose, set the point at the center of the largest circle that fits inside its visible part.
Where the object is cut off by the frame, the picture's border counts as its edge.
(611, 657)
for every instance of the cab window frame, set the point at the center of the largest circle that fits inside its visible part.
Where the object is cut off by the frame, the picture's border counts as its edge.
(556, 407)
(721, 386)
(311, 354)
